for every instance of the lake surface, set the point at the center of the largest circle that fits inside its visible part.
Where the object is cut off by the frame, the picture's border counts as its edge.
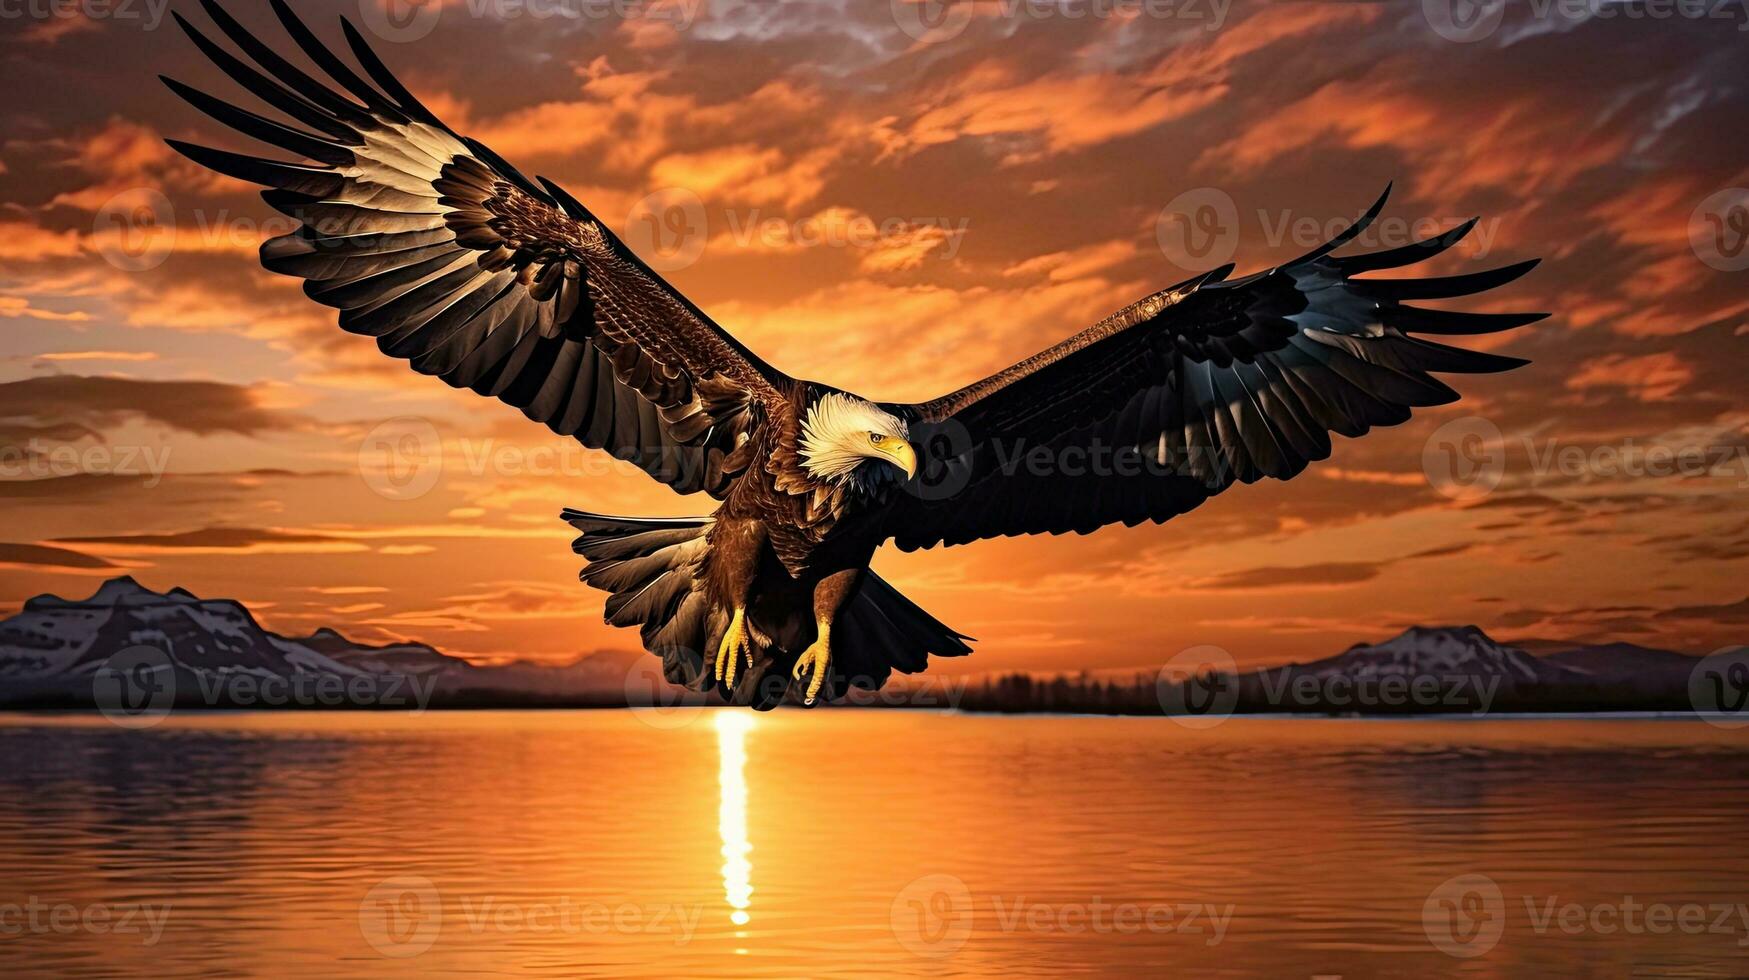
(863, 843)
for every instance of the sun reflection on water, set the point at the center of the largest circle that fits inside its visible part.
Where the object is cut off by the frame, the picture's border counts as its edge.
(732, 728)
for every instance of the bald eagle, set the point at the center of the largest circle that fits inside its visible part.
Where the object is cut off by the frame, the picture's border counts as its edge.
(468, 270)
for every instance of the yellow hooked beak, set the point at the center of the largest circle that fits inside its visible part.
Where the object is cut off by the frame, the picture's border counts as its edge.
(900, 452)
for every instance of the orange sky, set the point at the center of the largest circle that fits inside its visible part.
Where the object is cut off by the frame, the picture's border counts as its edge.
(900, 217)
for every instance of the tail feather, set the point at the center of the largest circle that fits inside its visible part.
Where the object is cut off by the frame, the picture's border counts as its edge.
(651, 567)
(653, 572)
(888, 632)
(689, 627)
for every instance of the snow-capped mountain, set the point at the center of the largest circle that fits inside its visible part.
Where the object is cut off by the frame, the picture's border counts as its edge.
(407, 658)
(53, 635)
(1462, 668)
(213, 653)
(1454, 650)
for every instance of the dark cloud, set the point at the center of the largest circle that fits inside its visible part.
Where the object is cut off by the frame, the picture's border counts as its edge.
(1321, 575)
(1293, 577)
(200, 407)
(173, 490)
(1735, 614)
(76, 486)
(1444, 551)
(43, 555)
(1710, 546)
(210, 537)
(21, 434)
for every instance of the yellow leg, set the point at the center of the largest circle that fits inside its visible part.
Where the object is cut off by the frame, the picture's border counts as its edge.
(734, 648)
(818, 658)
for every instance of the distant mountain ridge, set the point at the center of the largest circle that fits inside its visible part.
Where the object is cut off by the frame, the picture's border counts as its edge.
(213, 653)
(1439, 650)
(1462, 668)
(53, 636)
(1423, 670)
(59, 652)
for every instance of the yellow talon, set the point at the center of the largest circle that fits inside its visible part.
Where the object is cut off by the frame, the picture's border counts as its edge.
(818, 657)
(733, 648)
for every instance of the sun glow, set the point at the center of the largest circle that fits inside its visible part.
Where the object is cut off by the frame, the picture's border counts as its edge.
(732, 728)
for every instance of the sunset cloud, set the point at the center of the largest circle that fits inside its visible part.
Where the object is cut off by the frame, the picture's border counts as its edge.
(1327, 575)
(193, 406)
(26, 241)
(219, 541)
(45, 555)
(1648, 377)
(17, 307)
(97, 355)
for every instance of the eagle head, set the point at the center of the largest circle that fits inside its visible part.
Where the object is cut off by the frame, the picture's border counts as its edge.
(841, 433)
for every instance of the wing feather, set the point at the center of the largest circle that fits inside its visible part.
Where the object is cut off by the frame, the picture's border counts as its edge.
(1214, 382)
(455, 261)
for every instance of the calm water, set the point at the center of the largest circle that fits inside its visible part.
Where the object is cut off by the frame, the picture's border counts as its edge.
(856, 843)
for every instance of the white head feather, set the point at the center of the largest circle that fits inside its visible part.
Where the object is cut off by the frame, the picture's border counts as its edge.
(835, 434)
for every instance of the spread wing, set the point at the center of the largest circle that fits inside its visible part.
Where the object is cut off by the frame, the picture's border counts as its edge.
(1175, 398)
(457, 263)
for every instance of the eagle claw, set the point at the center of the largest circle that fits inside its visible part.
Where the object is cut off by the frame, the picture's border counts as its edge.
(733, 649)
(818, 658)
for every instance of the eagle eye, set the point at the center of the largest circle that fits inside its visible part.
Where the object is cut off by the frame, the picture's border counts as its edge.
(876, 438)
